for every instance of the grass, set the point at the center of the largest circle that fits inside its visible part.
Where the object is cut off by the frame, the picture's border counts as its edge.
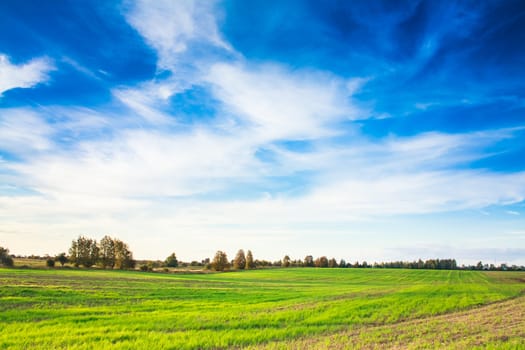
(280, 308)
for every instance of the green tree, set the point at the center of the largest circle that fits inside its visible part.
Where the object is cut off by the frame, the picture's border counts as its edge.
(250, 264)
(171, 261)
(123, 256)
(332, 263)
(84, 251)
(5, 258)
(220, 261)
(239, 263)
(309, 261)
(286, 261)
(61, 258)
(479, 265)
(50, 262)
(107, 252)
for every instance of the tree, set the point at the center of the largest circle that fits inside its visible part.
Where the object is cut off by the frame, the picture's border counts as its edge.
(286, 261)
(61, 258)
(332, 263)
(220, 261)
(239, 263)
(309, 261)
(50, 262)
(123, 256)
(5, 258)
(250, 264)
(84, 251)
(420, 264)
(107, 252)
(479, 265)
(321, 262)
(171, 261)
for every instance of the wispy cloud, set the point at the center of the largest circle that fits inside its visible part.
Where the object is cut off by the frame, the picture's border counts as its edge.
(173, 27)
(24, 75)
(282, 104)
(23, 131)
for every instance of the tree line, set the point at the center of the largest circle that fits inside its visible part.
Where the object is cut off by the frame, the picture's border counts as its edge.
(108, 253)
(113, 253)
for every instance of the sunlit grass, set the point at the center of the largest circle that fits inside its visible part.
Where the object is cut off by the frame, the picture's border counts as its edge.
(83, 309)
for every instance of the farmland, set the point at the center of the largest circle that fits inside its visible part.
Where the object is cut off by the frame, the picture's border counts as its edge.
(279, 308)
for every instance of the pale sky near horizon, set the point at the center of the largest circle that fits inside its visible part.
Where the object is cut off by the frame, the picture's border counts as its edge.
(363, 130)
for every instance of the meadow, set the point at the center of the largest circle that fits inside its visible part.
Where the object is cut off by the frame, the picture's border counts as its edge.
(273, 309)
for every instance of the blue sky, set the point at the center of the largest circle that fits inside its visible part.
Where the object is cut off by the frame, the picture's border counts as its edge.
(358, 130)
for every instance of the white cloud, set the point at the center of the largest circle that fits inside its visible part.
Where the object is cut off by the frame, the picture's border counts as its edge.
(142, 163)
(145, 100)
(24, 75)
(171, 27)
(282, 104)
(423, 192)
(23, 131)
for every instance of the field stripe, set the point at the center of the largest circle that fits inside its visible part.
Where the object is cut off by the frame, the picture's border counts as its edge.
(497, 325)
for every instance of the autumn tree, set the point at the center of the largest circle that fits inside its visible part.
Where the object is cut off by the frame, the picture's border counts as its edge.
(321, 262)
(286, 261)
(239, 263)
(332, 263)
(220, 261)
(250, 264)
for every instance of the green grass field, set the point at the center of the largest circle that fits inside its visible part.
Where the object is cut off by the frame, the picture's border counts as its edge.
(280, 308)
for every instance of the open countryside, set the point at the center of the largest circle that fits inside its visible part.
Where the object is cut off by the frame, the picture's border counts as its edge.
(253, 174)
(268, 308)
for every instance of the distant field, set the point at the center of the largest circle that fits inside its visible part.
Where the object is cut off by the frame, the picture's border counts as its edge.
(280, 308)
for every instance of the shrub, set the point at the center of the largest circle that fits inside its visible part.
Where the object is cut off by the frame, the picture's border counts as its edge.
(171, 261)
(5, 258)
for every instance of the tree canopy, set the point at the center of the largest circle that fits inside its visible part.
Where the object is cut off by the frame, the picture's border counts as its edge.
(220, 261)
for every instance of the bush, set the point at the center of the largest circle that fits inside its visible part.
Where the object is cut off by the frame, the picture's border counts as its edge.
(5, 258)
(171, 261)
(50, 263)
(61, 258)
(8, 261)
(144, 268)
